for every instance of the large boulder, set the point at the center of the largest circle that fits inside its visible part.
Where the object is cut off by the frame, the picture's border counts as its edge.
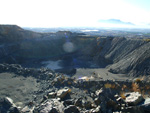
(7, 106)
(63, 92)
(27, 109)
(146, 105)
(50, 106)
(133, 98)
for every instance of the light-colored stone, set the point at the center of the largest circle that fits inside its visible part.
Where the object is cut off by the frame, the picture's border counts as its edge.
(63, 92)
(7, 106)
(147, 101)
(49, 106)
(51, 95)
(71, 109)
(27, 109)
(9, 102)
(96, 110)
(133, 98)
(98, 92)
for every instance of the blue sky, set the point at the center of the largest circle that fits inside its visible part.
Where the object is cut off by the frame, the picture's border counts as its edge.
(144, 4)
(73, 13)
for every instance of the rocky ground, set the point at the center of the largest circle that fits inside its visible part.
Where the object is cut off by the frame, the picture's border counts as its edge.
(29, 90)
(101, 73)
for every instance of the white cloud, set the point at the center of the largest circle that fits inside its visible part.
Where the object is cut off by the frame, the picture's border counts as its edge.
(57, 13)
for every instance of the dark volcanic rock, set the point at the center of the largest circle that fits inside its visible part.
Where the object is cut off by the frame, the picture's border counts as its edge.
(50, 106)
(145, 107)
(85, 96)
(42, 73)
(7, 106)
(68, 102)
(78, 102)
(71, 109)
(136, 62)
(67, 71)
(96, 110)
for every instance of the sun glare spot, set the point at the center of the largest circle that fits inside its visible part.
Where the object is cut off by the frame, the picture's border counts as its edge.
(68, 47)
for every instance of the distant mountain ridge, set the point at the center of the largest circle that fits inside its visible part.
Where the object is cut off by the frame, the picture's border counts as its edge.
(14, 33)
(115, 21)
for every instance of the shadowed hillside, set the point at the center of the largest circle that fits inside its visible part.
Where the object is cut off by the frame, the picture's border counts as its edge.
(119, 55)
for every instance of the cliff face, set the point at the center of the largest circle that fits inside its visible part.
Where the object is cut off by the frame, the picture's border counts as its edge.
(119, 55)
(136, 62)
(126, 55)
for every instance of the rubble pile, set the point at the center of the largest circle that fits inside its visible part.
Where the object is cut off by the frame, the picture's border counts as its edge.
(65, 94)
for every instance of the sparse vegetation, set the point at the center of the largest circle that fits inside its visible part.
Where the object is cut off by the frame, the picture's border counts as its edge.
(135, 87)
(147, 40)
(122, 94)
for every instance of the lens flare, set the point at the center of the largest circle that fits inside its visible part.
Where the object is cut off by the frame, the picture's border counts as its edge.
(68, 47)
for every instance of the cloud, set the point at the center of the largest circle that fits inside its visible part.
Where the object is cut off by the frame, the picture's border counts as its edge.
(61, 13)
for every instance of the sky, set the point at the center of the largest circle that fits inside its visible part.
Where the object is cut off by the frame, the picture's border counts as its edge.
(73, 13)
